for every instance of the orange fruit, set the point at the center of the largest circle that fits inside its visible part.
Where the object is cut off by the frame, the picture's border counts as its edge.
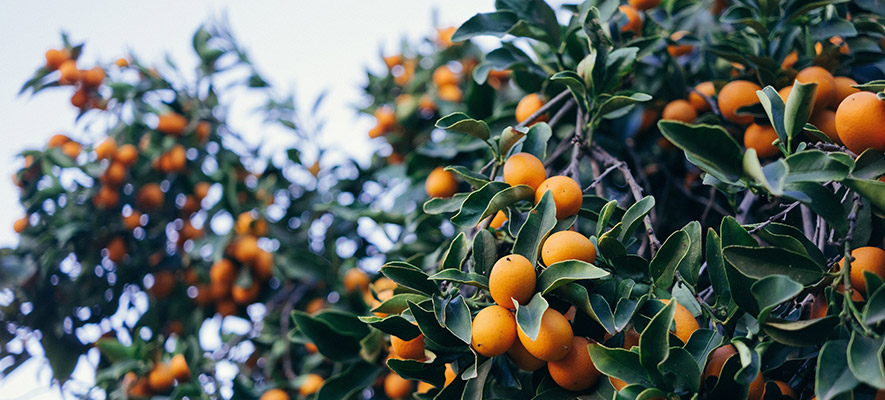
(523, 359)
(139, 388)
(262, 265)
(679, 110)
(57, 140)
(71, 149)
(274, 394)
(818, 306)
(686, 324)
(567, 195)
(164, 283)
(160, 379)
(826, 85)
(55, 58)
(843, 88)
(69, 72)
(717, 359)
(450, 93)
(554, 338)
(20, 225)
(226, 307)
(396, 387)
(202, 130)
(80, 98)
(133, 220)
(512, 278)
(868, 258)
(355, 279)
(785, 389)
(634, 21)
(171, 123)
(648, 119)
(524, 169)
(179, 368)
(760, 138)
(860, 122)
(575, 371)
(444, 36)
(494, 331)
(408, 349)
(114, 175)
(643, 5)
(737, 94)
(567, 245)
(223, 272)
(698, 102)
(443, 76)
(106, 197)
(246, 249)
(441, 183)
(201, 190)
(617, 383)
(631, 338)
(242, 295)
(825, 121)
(150, 197)
(106, 149)
(677, 50)
(386, 118)
(499, 220)
(312, 384)
(384, 283)
(116, 249)
(528, 105)
(126, 154)
(93, 77)
(790, 60)
(757, 388)
(392, 61)
(315, 305)
(177, 158)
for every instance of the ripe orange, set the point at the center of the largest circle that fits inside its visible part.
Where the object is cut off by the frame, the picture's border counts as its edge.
(274, 394)
(201, 190)
(440, 183)
(679, 110)
(567, 245)
(179, 368)
(554, 339)
(819, 306)
(55, 58)
(512, 278)
(443, 76)
(528, 105)
(177, 158)
(312, 384)
(868, 258)
(444, 36)
(450, 93)
(408, 349)
(392, 61)
(223, 272)
(116, 249)
(677, 50)
(686, 324)
(717, 360)
(160, 379)
(760, 138)
(171, 123)
(386, 118)
(71, 149)
(93, 77)
(785, 389)
(396, 387)
(69, 72)
(790, 60)
(843, 88)
(114, 175)
(523, 359)
(567, 195)
(150, 197)
(524, 169)
(106, 149)
(825, 120)
(164, 283)
(698, 102)
(494, 331)
(634, 21)
(106, 197)
(139, 389)
(617, 383)
(355, 279)
(262, 265)
(575, 371)
(126, 154)
(20, 225)
(80, 98)
(57, 140)
(246, 249)
(133, 220)
(499, 220)
(757, 388)
(643, 5)
(826, 85)
(242, 295)
(631, 338)
(226, 307)
(860, 122)
(737, 94)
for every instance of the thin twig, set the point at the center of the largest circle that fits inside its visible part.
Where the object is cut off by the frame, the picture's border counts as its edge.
(543, 109)
(561, 113)
(775, 217)
(744, 207)
(601, 176)
(807, 224)
(594, 166)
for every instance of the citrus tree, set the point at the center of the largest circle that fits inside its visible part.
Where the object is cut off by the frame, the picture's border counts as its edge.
(640, 200)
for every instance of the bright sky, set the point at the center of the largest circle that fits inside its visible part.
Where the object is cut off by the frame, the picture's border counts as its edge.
(306, 46)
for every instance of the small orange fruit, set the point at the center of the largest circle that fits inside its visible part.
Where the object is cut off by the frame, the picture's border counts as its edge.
(441, 183)
(717, 359)
(819, 306)
(790, 60)
(868, 258)
(116, 249)
(71, 149)
(392, 61)
(57, 140)
(785, 389)
(164, 283)
(760, 138)
(643, 5)
(20, 225)
(450, 93)
(575, 371)
(494, 331)
(312, 384)
(246, 249)
(274, 394)
(567, 245)
(634, 21)
(133, 220)
(93, 77)
(860, 122)
(825, 121)
(499, 220)
(567, 195)
(554, 338)
(150, 197)
(386, 118)
(408, 349)
(69, 72)
(262, 265)
(528, 105)
(697, 101)
(679, 110)
(843, 88)
(106, 149)
(179, 368)
(826, 85)
(356, 279)
(737, 94)
(160, 379)
(171, 123)
(443, 76)
(80, 98)
(126, 154)
(242, 295)
(686, 324)
(114, 175)
(55, 58)
(512, 278)
(397, 387)
(524, 169)
(523, 359)
(677, 50)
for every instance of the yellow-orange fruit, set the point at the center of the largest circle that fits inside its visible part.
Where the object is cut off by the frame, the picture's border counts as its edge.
(201, 190)
(843, 88)
(106, 149)
(20, 225)
(617, 383)
(825, 121)
(71, 149)
(760, 138)
(444, 36)
(164, 283)
(55, 58)
(171, 123)
(397, 387)
(242, 295)
(57, 140)
(790, 60)
(679, 110)
(567, 195)
(246, 249)
(262, 265)
(528, 105)
(443, 76)
(634, 21)
(440, 183)
(80, 98)
(202, 130)
(226, 307)
(686, 324)
(127, 154)
(160, 379)
(223, 272)
(697, 101)
(757, 388)
(133, 220)
(392, 61)
(106, 197)
(386, 117)
(785, 389)
(554, 338)
(819, 306)
(312, 384)
(631, 338)
(717, 360)
(567, 245)
(523, 359)
(494, 331)
(512, 278)
(69, 72)
(643, 5)
(356, 279)
(868, 258)
(114, 175)
(860, 122)
(575, 371)
(734, 95)
(384, 283)
(93, 77)
(177, 158)
(499, 220)
(274, 394)
(524, 169)
(179, 368)
(116, 249)
(408, 349)
(150, 197)
(677, 50)
(826, 85)
(450, 93)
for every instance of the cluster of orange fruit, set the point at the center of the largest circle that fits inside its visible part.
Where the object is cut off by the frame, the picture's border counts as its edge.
(447, 84)
(311, 383)
(160, 380)
(86, 81)
(634, 13)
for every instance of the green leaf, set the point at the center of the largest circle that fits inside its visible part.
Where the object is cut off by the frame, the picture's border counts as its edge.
(801, 333)
(701, 343)
(537, 13)
(528, 317)
(709, 147)
(536, 140)
(485, 252)
(474, 179)
(874, 309)
(690, 266)
(874, 191)
(654, 341)
(429, 370)
(394, 325)
(456, 253)
(798, 109)
(815, 166)
(460, 122)
(457, 319)
(772, 179)
(440, 205)
(593, 305)
(488, 200)
(540, 221)
(865, 360)
(330, 343)
(605, 215)
(760, 262)
(869, 165)
(619, 105)
(508, 139)
(565, 272)
(497, 23)
(774, 107)
(410, 276)
(398, 303)
(791, 238)
(662, 267)
(822, 201)
(832, 376)
(716, 268)
(458, 276)
(633, 216)
(680, 370)
(435, 335)
(619, 363)
(575, 85)
(772, 291)
(473, 390)
(353, 380)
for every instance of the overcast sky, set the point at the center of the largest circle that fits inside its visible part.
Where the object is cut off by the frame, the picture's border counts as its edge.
(307, 46)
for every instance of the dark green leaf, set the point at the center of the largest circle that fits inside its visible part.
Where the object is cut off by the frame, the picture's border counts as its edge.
(528, 317)
(709, 147)
(541, 220)
(460, 122)
(353, 380)
(773, 290)
(565, 272)
(801, 333)
(760, 262)
(474, 179)
(456, 253)
(536, 140)
(662, 267)
(815, 166)
(410, 276)
(832, 375)
(865, 360)
(619, 363)
(488, 200)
